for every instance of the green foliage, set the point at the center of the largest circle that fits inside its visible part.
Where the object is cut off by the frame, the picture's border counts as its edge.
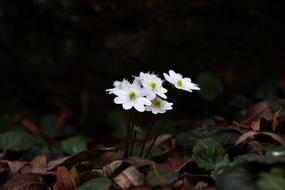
(275, 155)
(273, 180)
(98, 183)
(209, 154)
(74, 145)
(237, 178)
(152, 178)
(272, 156)
(16, 141)
(211, 86)
(251, 171)
(224, 135)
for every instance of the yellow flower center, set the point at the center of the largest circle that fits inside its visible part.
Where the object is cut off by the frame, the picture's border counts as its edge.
(153, 85)
(132, 95)
(179, 83)
(157, 104)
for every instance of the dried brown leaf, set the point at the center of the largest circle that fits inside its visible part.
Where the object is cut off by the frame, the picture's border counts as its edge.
(39, 164)
(64, 180)
(260, 110)
(25, 182)
(250, 134)
(139, 162)
(276, 120)
(30, 126)
(110, 168)
(257, 147)
(174, 165)
(15, 167)
(255, 125)
(85, 156)
(106, 158)
(201, 185)
(74, 175)
(129, 178)
(64, 115)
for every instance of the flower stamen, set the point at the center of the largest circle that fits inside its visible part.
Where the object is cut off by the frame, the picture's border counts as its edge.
(179, 83)
(132, 95)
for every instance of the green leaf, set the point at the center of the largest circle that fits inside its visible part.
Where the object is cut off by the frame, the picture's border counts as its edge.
(16, 141)
(224, 135)
(274, 180)
(98, 183)
(208, 153)
(211, 86)
(74, 145)
(152, 178)
(237, 178)
(274, 155)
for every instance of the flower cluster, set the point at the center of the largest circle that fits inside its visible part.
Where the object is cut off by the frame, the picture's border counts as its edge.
(146, 92)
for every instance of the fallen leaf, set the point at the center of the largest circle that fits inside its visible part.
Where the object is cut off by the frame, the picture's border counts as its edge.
(250, 134)
(110, 168)
(257, 147)
(39, 164)
(25, 182)
(174, 165)
(255, 125)
(201, 185)
(139, 162)
(64, 115)
(106, 158)
(2, 156)
(85, 156)
(276, 120)
(64, 180)
(30, 126)
(130, 178)
(260, 110)
(15, 167)
(74, 175)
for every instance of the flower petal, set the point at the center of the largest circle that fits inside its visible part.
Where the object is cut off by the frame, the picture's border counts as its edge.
(120, 100)
(128, 105)
(139, 107)
(144, 101)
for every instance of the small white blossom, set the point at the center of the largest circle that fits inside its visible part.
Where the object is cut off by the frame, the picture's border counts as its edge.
(153, 84)
(133, 96)
(179, 82)
(159, 105)
(119, 86)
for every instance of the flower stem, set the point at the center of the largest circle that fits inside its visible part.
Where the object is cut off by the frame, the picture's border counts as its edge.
(133, 142)
(147, 136)
(128, 121)
(132, 135)
(156, 136)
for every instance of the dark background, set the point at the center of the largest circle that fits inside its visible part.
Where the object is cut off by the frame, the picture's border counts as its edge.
(67, 52)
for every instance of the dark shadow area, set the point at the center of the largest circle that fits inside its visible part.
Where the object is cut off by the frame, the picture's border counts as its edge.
(65, 53)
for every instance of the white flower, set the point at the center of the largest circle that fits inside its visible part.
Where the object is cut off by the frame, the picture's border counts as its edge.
(179, 82)
(133, 96)
(159, 105)
(153, 84)
(119, 86)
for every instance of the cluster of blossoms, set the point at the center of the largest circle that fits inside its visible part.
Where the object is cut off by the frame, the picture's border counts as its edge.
(146, 92)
